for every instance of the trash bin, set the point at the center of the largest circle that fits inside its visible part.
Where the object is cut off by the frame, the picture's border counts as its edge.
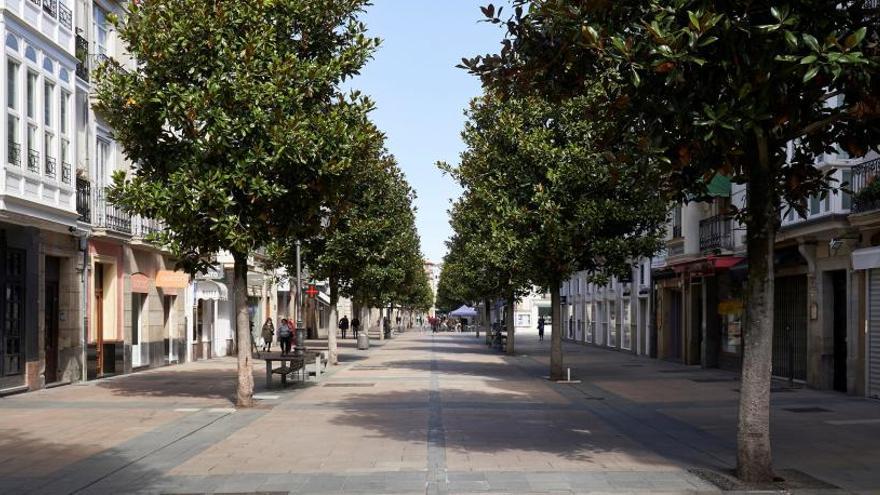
(363, 341)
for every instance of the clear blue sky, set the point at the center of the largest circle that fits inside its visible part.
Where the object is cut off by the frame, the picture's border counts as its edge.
(421, 95)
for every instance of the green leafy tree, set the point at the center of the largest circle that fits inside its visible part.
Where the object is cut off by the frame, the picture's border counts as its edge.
(234, 117)
(750, 89)
(561, 204)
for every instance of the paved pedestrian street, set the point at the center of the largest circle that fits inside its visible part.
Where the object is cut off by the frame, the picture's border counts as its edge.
(426, 414)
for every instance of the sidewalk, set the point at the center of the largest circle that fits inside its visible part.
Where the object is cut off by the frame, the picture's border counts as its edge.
(421, 414)
(690, 414)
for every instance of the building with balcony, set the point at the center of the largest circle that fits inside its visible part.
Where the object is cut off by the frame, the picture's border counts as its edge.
(615, 315)
(41, 243)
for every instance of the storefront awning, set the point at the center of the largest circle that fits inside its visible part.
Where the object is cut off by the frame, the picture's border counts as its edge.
(707, 265)
(866, 259)
(210, 290)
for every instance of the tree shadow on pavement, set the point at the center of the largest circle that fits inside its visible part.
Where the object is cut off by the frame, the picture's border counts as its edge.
(30, 464)
(491, 423)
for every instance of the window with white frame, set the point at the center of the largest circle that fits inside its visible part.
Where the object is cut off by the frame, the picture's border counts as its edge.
(102, 162)
(13, 118)
(102, 31)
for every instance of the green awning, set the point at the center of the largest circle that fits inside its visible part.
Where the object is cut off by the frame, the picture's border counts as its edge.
(719, 187)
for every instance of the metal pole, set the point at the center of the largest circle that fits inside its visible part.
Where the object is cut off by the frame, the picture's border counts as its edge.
(300, 329)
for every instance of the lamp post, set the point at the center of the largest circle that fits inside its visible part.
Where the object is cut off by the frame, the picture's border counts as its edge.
(300, 328)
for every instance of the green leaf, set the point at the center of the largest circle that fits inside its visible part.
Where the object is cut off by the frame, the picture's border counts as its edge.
(811, 41)
(811, 74)
(809, 59)
(856, 38)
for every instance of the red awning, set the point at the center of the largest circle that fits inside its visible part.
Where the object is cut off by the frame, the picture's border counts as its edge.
(725, 262)
(707, 265)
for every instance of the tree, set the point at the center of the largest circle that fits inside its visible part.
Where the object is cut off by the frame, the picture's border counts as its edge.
(561, 204)
(753, 90)
(233, 117)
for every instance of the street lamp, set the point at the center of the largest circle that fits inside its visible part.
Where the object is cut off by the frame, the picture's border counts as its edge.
(300, 328)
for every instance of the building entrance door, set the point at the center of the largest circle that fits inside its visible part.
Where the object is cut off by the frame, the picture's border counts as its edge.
(675, 340)
(838, 283)
(51, 316)
(99, 319)
(137, 327)
(790, 328)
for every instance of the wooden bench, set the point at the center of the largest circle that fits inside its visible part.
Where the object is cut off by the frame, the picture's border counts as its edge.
(289, 365)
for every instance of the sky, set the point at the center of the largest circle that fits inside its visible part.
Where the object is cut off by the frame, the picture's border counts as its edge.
(421, 96)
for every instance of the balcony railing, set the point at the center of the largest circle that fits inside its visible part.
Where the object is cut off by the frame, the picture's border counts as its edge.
(82, 54)
(108, 216)
(65, 173)
(51, 7)
(716, 233)
(51, 167)
(84, 199)
(866, 187)
(65, 16)
(34, 161)
(144, 227)
(13, 154)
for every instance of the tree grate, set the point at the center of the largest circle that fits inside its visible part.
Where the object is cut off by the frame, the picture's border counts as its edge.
(807, 410)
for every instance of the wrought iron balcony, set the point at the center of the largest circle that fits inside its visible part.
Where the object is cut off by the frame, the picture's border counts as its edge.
(51, 7)
(866, 187)
(144, 227)
(13, 154)
(82, 54)
(34, 161)
(51, 167)
(65, 16)
(84, 199)
(109, 216)
(65, 173)
(716, 233)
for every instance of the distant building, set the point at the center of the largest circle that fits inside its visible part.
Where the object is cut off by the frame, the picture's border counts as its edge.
(432, 270)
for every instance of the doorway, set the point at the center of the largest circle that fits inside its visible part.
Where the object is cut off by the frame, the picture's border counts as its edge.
(51, 318)
(839, 301)
(168, 325)
(99, 319)
(790, 328)
(674, 340)
(137, 330)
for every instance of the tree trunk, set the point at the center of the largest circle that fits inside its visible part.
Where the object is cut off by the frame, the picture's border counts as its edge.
(488, 322)
(511, 326)
(332, 348)
(556, 371)
(244, 396)
(754, 462)
(381, 323)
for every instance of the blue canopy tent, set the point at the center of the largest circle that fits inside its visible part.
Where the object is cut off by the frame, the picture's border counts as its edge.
(464, 312)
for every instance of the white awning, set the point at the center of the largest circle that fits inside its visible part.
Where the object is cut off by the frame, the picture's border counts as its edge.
(210, 290)
(324, 298)
(866, 259)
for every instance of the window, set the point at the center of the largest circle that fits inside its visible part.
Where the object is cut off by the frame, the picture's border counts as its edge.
(32, 95)
(137, 302)
(102, 163)
(845, 197)
(31, 54)
(12, 85)
(48, 140)
(63, 109)
(11, 42)
(814, 205)
(48, 65)
(65, 151)
(48, 99)
(13, 148)
(101, 31)
(32, 138)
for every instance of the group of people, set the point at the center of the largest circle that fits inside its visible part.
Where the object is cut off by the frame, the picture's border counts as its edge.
(354, 324)
(444, 324)
(285, 334)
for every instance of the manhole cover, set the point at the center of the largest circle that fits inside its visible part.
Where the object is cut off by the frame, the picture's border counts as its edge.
(349, 384)
(806, 410)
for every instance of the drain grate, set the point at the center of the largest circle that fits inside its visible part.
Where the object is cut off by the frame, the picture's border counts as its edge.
(349, 384)
(713, 380)
(674, 371)
(807, 410)
(633, 365)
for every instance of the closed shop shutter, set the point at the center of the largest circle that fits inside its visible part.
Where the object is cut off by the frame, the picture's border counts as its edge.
(874, 333)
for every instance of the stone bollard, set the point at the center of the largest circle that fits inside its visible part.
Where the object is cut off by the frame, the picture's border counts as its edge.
(363, 341)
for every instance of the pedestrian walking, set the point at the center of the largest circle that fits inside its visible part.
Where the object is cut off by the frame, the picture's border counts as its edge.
(268, 333)
(284, 336)
(541, 329)
(343, 325)
(355, 326)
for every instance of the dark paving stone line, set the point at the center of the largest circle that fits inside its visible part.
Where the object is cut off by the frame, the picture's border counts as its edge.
(437, 479)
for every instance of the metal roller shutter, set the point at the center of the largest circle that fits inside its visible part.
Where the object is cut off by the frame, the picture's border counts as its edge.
(874, 333)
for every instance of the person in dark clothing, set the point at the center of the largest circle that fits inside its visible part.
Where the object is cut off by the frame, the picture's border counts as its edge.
(541, 329)
(343, 325)
(284, 337)
(355, 326)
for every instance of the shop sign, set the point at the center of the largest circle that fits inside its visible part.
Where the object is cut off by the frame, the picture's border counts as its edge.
(212, 273)
(140, 283)
(731, 307)
(167, 279)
